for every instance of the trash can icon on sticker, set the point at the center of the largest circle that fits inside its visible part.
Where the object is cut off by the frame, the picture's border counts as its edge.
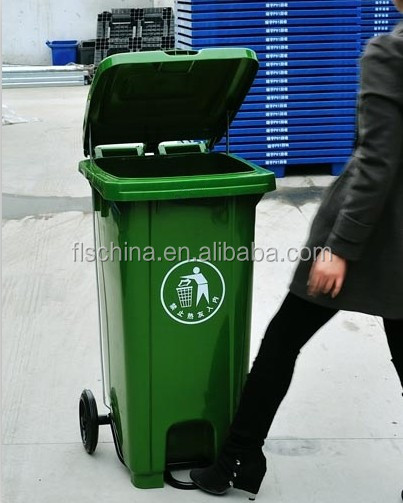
(192, 291)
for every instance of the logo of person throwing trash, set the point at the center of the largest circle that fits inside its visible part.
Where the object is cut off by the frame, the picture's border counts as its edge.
(192, 293)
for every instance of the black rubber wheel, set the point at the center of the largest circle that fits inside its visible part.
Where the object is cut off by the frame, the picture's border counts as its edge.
(402, 495)
(89, 423)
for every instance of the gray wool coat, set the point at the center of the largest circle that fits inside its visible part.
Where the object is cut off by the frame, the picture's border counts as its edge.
(361, 215)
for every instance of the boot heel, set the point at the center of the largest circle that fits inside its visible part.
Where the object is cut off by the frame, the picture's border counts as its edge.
(249, 477)
(251, 496)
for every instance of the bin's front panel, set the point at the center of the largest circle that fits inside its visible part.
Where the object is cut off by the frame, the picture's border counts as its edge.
(179, 349)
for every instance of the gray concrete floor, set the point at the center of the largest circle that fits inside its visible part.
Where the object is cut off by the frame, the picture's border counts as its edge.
(338, 436)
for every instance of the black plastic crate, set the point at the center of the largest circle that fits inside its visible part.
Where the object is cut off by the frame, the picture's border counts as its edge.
(139, 29)
(117, 50)
(86, 52)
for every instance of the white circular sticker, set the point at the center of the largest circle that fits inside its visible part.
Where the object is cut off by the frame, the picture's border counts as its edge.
(192, 291)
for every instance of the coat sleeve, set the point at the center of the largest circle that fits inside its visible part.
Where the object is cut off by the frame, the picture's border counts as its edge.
(379, 152)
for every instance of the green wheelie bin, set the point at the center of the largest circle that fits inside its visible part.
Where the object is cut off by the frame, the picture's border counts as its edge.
(174, 229)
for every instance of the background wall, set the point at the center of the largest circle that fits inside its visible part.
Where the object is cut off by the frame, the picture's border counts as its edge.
(27, 24)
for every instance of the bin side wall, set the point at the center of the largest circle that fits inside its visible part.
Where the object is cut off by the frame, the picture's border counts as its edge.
(164, 372)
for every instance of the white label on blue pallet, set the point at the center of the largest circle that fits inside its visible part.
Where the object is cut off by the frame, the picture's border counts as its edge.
(276, 105)
(279, 145)
(277, 81)
(276, 21)
(277, 130)
(275, 122)
(277, 13)
(277, 97)
(278, 5)
(276, 39)
(274, 55)
(277, 47)
(276, 114)
(276, 30)
(276, 63)
(282, 89)
(276, 72)
(274, 161)
(277, 138)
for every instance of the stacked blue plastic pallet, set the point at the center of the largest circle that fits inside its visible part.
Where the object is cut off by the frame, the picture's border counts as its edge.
(301, 108)
(378, 17)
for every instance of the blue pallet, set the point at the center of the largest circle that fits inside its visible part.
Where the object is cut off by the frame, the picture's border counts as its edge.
(287, 21)
(293, 131)
(302, 55)
(294, 100)
(291, 51)
(261, 86)
(291, 138)
(262, 39)
(296, 82)
(285, 104)
(255, 5)
(248, 6)
(312, 112)
(290, 146)
(333, 159)
(336, 164)
(269, 14)
(309, 153)
(290, 30)
(366, 23)
(297, 103)
(274, 122)
(378, 13)
(249, 2)
(306, 63)
(305, 108)
(306, 72)
(353, 47)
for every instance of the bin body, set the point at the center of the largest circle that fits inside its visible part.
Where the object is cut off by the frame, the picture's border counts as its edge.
(174, 235)
(63, 51)
(165, 376)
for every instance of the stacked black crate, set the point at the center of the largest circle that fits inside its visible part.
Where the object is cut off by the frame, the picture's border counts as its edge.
(133, 30)
(102, 38)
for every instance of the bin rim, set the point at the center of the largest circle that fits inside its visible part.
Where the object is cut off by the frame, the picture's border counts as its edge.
(256, 180)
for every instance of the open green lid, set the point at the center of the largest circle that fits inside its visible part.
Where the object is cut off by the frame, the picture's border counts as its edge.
(157, 96)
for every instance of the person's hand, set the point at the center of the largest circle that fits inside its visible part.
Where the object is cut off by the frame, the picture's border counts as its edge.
(327, 274)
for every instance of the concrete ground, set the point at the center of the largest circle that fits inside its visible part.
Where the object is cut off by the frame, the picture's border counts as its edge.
(338, 436)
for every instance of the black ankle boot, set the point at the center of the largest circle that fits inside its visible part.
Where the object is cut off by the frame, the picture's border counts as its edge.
(242, 468)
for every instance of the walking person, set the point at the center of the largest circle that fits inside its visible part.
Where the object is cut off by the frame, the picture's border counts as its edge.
(359, 228)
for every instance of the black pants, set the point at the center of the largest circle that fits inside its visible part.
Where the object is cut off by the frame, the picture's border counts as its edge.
(269, 379)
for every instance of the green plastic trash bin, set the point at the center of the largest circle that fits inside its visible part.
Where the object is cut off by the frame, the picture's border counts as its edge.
(174, 313)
